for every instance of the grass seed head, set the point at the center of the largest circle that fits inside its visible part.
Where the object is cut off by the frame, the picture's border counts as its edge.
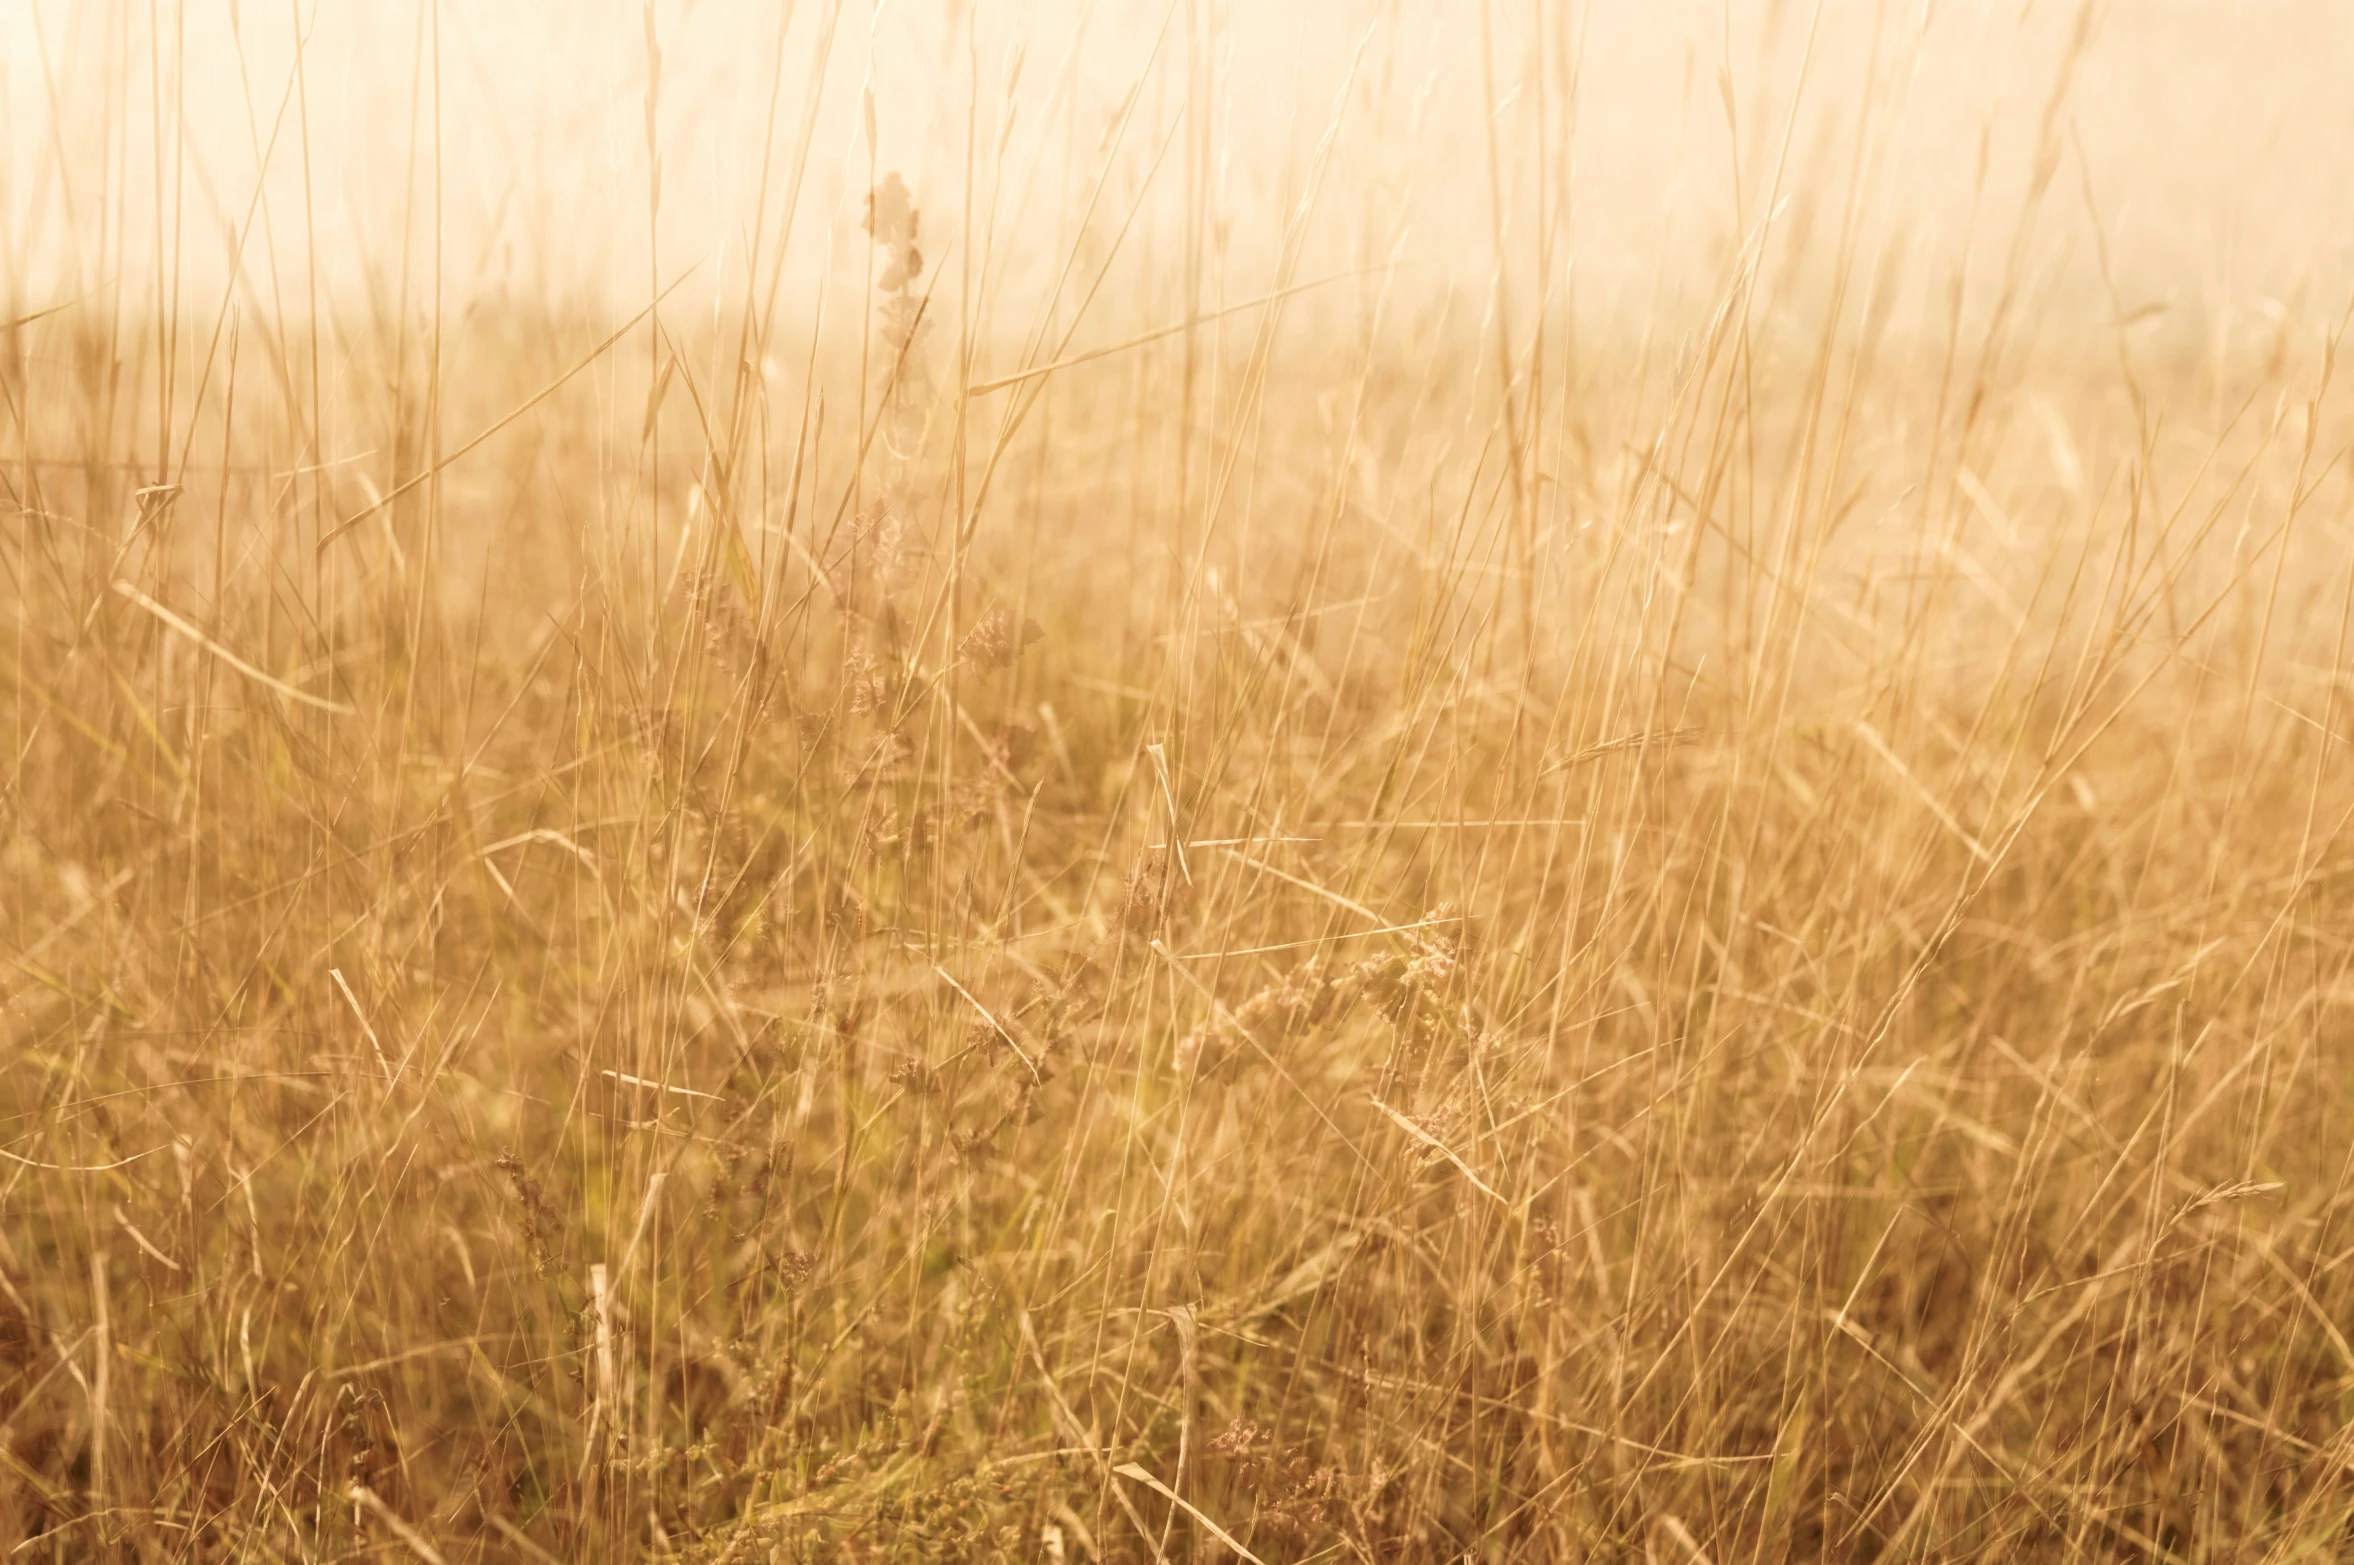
(998, 638)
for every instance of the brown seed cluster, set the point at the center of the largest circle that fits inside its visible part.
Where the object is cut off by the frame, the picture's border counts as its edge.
(999, 638)
(1415, 988)
(539, 1221)
(1294, 1494)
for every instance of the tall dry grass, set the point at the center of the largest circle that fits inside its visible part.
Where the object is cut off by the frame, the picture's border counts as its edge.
(1382, 928)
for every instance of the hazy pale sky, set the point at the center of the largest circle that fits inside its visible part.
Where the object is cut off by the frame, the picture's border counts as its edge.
(2217, 137)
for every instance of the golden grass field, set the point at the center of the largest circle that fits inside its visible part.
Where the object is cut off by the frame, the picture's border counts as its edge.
(1216, 813)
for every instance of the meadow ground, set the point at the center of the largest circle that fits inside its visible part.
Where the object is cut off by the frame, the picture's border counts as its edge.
(1390, 927)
